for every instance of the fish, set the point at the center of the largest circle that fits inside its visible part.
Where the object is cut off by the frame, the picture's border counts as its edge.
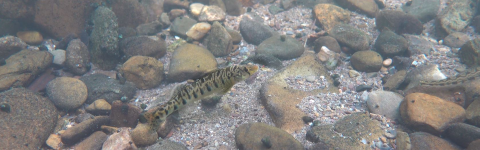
(470, 75)
(219, 81)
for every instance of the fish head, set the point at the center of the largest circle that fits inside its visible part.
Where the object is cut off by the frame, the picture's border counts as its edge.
(245, 71)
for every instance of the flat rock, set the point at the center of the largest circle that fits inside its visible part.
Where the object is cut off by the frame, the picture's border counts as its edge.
(103, 43)
(368, 7)
(329, 15)
(29, 122)
(144, 72)
(347, 133)
(456, 39)
(93, 142)
(21, 68)
(119, 140)
(366, 61)
(422, 140)
(453, 93)
(417, 44)
(351, 37)
(473, 113)
(84, 129)
(280, 100)
(218, 40)
(254, 32)
(455, 17)
(181, 25)
(124, 114)
(185, 65)
(99, 107)
(282, 47)
(423, 73)
(399, 22)
(101, 86)
(151, 46)
(385, 103)
(151, 28)
(250, 135)
(462, 134)
(428, 113)
(10, 45)
(67, 93)
(424, 10)
(389, 44)
(77, 57)
(394, 81)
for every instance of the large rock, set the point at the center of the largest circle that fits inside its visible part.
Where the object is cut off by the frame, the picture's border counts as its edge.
(84, 129)
(462, 134)
(233, 7)
(451, 93)
(347, 133)
(61, 18)
(101, 86)
(21, 68)
(473, 113)
(282, 47)
(181, 25)
(151, 46)
(218, 41)
(469, 53)
(22, 10)
(151, 28)
(455, 17)
(67, 93)
(119, 140)
(29, 122)
(351, 37)
(254, 32)
(428, 113)
(280, 100)
(190, 61)
(77, 57)
(104, 39)
(143, 135)
(398, 21)
(366, 61)
(124, 114)
(130, 13)
(422, 140)
(418, 44)
(424, 10)
(10, 45)
(389, 44)
(144, 72)
(385, 103)
(211, 13)
(456, 39)
(250, 136)
(368, 7)
(93, 142)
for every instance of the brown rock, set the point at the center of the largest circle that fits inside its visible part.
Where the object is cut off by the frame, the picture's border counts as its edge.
(429, 113)
(218, 40)
(233, 7)
(185, 65)
(249, 136)
(93, 142)
(212, 13)
(399, 22)
(474, 145)
(199, 30)
(453, 93)
(403, 141)
(124, 115)
(280, 100)
(20, 69)
(99, 107)
(77, 57)
(54, 141)
(30, 37)
(120, 140)
(368, 7)
(329, 15)
(473, 113)
(422, 140)
(130, 13)
(29, 122)
(327, 41)
(174, 13)
(174, 4)
(366, 61)
(151, 46)
(23, 10)
(154, 9)
(67, 93)
(10, 45)
(144, 72)
(456, 39)
(61, 18)
(84, 129)
(394, 81)
(236, 36)
(143, 135)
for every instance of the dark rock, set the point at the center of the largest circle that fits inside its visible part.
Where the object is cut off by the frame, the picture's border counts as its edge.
(283, 49)
(130, 13)
(10, 45)
(476, 24)
(93, 142)
(394, 81)
(274, 9)
(218, 3)
(351, 37)
(181, 25)
(368, 7)
(218, 41)
(77, 57)
(83, 117)
(473, 113)
(82, 130)
(266, 60)
(236, 36)
(474, 145)
(287, 4)
(101, 86)
(151, 28)
(424, 10)
(22, 10)
(67, 93)
(456, 39)
(422, 140)
(151, 46)
(126, 32)
(175, 4)
(389, 44)
(62, 44)
(455, 17)
(327, 41)
(174, 13)
(363, 87)
(168, 145)
(469, 53)
(185, 64)
(233, 7)
(254, 32)
(418, 45)
(307, 119)
(250, 135)
(366, 61)
(104, 39)
(399, 22)
(9, 26)
(164, 20)
(30, 121)
(124, 115)
(462, 134)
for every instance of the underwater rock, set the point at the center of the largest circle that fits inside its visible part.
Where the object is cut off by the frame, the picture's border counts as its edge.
(418, 45)
(84, 129)
(67, 93)
(285, 49)
(394, 81)
(469, 53)
(58, 56)
(355, 126)
(421, 112)
(254, 32)
(211, 13)
(251, 135)
(93, 142)
(151, 28)
(274, 9)
(233, 7)
(185, 64)
(77, 57)
(456, 39)
(143, 135)
(126, 32)
(21, 10)
(329, 15)
(218, 41)
(130, 13)
(99, 107)
(403, 140)
(368, 7)
(424, 10)
(199, 30)
(423, 73)
(366, 61)
(236, 36)
(174, 13)
(104, 39)
(164, 20)
(181, 25)
(473, 113)
(101, 86)
(124, 114)
(151, 46)
(462, 134)
(266, 60)
(455, 17)
(399, 22)
(389, 44)
(351, 37)
(385, 103)
(287, 4)
(422, 140)
(196, 9)
(30, 37)
(30, 121)
(144, 72)
(175, 4)
(168, 145)
(119, 140)
(327, 41)
(10, 45)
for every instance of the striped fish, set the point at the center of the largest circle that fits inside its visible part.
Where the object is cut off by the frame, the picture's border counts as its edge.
(215, 82)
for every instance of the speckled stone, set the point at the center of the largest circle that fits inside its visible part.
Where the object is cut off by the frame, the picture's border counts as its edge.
(67, 93)
(249, 136)
(366, 61)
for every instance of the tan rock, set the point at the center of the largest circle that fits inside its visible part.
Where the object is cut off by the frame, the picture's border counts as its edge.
(30, 37)
(54, 141)
(67, 93)
(94, 141)
(368, 7)
(250, 135)
(422, 140)
(143, 135)
(196, 9)
(120, 140)
(329, 15)
(199, 30)
(144, 72)
(473, 113)
(212, 13)
(403, 141)
(99, 107)
(429, 113)
(124, 114)
(186, 65)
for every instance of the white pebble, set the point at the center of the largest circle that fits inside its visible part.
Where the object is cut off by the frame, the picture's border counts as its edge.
(387, 62)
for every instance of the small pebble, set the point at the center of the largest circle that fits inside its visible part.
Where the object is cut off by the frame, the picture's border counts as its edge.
(383, 139)
(387, 62)
(391, 134)
(307, 119)
(310, 78)
(363, 87)
(353, 73)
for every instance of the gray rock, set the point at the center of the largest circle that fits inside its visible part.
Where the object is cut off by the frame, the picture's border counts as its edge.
(394, 81)
(103, 87)
(287, 4)
(462, 134)
(456, 39)
(218, 3)
(151, 28)
(366, 61)
(58, 56)
(282, 47)
(164, 20)
(368, 7)
(181, 25)
(418, 45)
(29, 122)
(473, 113)
(422, 140)
(468, 53)
(455, 17)
(233, 7)
(250, 135)
(93, 142)
(424, 10)
(267, 60)
(67, 93)
(389, 44)
(327, 41)
(274, 9)
(350, 37)
(219, 41)
(82, 130)
(77, 57)
(312, 3)
(10, 27)
(10, 45)
(151, 46)
(385, 103)
(126, 32)
(168, 145)
(425, 73)
(236, 36)
(474, 145)
(254, 32)
(104, 39)
(399, 22)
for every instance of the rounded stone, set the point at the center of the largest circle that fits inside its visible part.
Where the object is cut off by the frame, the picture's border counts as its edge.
(144, 72)
(389, 44)
(30, 37)
(67, 93)
(196, 9)
(199, 30)
(366, 61)
(185, 63)
(282, 48)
